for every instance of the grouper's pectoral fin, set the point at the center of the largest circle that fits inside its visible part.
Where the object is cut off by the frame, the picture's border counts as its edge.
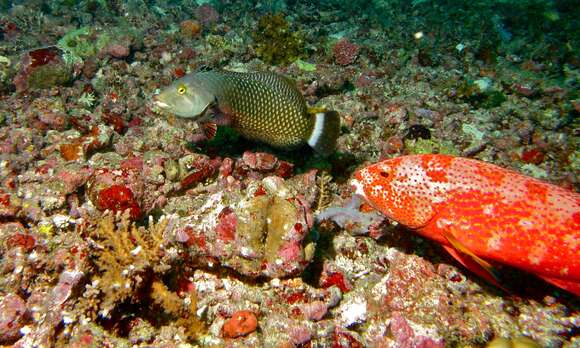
(471, 261)
(568, 285)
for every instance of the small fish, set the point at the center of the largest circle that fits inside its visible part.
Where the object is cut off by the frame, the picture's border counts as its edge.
(261, 106)
(481, 213)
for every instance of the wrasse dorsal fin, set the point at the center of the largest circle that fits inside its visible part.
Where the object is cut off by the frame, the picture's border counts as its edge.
(203, 68)
(471, 261)
(315, 110)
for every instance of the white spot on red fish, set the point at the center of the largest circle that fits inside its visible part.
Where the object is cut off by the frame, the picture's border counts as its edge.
(443, 223)
(494, 243)
(488, 209)
(358, 188)
(537, 253)
(572, 241)
(377, 189)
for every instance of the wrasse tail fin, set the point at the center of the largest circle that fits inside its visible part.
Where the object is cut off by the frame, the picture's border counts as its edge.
(471, 261)
(325, 131)
(568, 285)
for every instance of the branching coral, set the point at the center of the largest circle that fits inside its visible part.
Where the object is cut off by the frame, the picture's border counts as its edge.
(182, 309)
(126, 256)
(131, 261)
(323, 182)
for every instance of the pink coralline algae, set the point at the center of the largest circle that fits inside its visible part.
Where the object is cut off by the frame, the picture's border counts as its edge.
(7, 206)
(336, 279)
(207, 15)
(226, 228)
(118, 198)
(117, 191)
(202, 168)
(345, 52)
(42, 68)
(12, 318)
(258, 231)
(256, 164)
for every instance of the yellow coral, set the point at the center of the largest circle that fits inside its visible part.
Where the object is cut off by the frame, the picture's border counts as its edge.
(124, 253)
(184, 311)
(324, 195)
(130, 264)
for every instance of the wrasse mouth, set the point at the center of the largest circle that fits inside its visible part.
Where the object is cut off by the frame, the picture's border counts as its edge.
(158, 107)
(160, 104)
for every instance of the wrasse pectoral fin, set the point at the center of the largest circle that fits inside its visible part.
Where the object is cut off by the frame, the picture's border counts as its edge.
(568, 285)
(209, 130)
(471, 261)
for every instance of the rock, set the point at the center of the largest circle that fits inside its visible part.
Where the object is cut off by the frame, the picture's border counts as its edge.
(258, 231)
(42, 68)
(241, 323)
(12, 318)
(118, 51)
(407, 335)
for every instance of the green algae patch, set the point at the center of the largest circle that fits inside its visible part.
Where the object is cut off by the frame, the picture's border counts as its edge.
(82, 43)
(305, 66)
(423, 146)
(276, 42)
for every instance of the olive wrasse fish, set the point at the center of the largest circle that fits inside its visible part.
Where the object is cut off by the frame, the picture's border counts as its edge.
(261, 106)
(481, 213)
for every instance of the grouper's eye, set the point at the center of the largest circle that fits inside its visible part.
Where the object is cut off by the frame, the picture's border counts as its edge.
(384, 174)
(181, 90)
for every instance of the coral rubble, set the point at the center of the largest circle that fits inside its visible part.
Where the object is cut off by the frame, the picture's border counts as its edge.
(120, 227)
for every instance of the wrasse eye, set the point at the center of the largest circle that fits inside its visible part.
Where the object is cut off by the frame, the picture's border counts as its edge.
(181, 90)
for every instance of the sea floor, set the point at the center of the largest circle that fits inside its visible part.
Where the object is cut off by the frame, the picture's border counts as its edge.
(118, 230)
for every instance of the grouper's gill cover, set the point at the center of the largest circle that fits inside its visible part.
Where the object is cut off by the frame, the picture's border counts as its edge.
(263, 106)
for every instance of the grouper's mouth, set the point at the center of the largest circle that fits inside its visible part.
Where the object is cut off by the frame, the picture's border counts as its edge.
(357, 187)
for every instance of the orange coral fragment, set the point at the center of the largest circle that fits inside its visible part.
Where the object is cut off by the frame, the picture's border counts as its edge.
(190, 28)
(240, 324)
(70, 152)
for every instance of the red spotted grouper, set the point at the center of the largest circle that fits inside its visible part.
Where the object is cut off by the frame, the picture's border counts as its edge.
(481, 212)
(261, 106)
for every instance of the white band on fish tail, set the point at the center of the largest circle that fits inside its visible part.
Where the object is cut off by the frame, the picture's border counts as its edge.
(318, 129)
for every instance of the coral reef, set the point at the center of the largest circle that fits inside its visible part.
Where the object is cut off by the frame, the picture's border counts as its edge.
(119, 227)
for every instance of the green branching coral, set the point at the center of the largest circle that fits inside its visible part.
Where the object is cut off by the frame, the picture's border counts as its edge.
(276, 42)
